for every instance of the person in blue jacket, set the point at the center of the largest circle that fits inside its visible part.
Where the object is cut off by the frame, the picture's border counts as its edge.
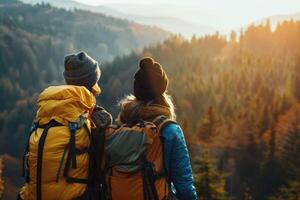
(149, 101)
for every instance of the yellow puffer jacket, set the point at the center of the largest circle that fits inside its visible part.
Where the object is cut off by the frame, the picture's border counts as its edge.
(63, 104)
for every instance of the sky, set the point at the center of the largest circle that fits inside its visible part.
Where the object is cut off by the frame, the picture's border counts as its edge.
(216, 13)
(224, 6)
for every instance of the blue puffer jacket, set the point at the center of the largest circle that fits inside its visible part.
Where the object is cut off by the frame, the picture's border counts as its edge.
(177, 162)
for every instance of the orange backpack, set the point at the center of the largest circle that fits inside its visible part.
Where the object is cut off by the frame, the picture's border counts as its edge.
(135, 168)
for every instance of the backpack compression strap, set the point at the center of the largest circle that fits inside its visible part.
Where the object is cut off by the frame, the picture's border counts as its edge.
(149, 179)
(71, 158)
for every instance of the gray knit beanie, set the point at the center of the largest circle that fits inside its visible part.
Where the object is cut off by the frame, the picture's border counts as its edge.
(81, 70)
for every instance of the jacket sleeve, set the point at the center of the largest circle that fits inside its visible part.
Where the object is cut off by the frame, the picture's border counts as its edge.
(177, 162)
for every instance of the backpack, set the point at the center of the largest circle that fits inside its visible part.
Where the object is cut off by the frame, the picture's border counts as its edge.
(134, 161)
(58, 162)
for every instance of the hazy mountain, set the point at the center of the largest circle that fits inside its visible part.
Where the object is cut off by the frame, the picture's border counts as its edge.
(163, 16)
(70, 4)
(175, 25)
(140, 14)
(32, 36)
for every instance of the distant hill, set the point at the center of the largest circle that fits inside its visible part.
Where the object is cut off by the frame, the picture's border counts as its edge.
(169, 19)
(32, 36)
(33, 42)
(70, 4)
(9, 1)
(172, 24)
(109, 35)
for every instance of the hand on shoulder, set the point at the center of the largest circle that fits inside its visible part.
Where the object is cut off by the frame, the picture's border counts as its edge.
(101, 117)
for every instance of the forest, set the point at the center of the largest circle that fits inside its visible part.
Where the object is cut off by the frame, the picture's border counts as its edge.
(34, 40)
(237, 98)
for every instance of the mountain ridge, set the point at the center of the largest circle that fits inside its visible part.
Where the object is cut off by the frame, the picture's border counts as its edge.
(172, 24)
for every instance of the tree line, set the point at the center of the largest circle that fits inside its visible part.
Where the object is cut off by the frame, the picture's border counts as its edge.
(237, 99)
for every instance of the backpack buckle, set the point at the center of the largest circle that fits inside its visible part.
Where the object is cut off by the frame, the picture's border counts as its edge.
(73, 126)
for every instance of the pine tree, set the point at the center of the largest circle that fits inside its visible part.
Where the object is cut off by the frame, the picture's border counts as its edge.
(289, 192)
(296, 80)
(209, 181)
(271, 171)
(291, 152)
(207, 127)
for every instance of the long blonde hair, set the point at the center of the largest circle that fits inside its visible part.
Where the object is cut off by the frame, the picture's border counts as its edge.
(165, 100)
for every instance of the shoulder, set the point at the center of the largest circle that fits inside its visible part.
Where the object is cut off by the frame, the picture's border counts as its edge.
(101, 117)
(171, 131)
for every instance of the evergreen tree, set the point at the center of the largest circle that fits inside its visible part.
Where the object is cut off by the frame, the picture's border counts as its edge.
(289, 192)
(207, 127)
(296, 79)
(209, 181)
(291, 152)
(271, 170)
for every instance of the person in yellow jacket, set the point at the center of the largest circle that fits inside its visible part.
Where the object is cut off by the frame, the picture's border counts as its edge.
(60, 156)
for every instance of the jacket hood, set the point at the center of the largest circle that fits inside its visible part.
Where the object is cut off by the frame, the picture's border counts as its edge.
(65, 103)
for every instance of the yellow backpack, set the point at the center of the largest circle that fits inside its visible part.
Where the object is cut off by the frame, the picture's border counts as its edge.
(57, 161)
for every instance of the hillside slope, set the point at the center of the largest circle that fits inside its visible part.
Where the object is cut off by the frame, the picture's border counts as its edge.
(33, 43)
(99, 34)
(173, 24)
(238, 99)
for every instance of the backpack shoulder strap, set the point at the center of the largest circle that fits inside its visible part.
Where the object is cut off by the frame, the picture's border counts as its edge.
(41, 143)
(162, 121)
(25, 171)
(34, 127)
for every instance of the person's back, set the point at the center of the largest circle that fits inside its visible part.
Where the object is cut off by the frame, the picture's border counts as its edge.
(135, 162)
(47, 177)
(58, 160)
(149, 103)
